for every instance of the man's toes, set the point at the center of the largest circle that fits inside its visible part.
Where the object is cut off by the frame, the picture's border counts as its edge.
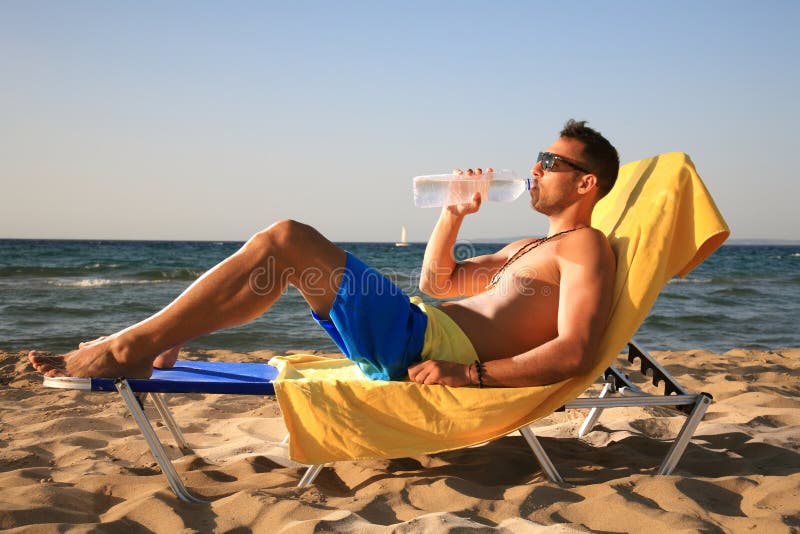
(43, 367)
(33, 356)
(39, 360)
(44, 363)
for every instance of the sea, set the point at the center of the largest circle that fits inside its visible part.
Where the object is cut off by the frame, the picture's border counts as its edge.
(57, 293)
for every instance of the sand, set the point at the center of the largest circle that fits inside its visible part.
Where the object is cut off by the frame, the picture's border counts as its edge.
(73, 461)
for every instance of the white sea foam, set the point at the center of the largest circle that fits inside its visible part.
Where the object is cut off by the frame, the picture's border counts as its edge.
(100, 282)
(677, 280)
(101, 266)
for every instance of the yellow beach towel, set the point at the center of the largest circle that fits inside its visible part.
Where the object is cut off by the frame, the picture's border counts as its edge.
(661, 222)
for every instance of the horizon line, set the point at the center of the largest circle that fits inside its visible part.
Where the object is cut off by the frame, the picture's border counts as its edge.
(484, 240)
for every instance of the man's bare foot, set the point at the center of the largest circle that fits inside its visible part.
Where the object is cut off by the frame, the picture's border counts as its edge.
(103, 357)
(165, 360)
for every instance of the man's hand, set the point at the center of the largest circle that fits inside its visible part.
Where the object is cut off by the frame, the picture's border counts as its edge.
(468, 208)
(440, 372)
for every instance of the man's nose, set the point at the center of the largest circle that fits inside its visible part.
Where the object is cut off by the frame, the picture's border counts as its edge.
(537, 170)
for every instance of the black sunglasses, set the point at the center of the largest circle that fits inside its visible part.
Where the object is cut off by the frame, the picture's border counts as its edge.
(548, 160)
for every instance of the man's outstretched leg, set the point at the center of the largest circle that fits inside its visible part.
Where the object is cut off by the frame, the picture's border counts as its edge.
(237, 290)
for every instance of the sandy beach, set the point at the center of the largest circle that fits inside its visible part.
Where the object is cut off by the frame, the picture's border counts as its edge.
(73, 461)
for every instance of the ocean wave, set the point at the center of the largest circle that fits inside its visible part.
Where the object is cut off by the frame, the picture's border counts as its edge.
(736, 291)
(45, 271)
(689, 280)
(101, 282)
(111, 270)
(38, 272)
(169, 274)
(781, 256)
(101, 266)
(679, 322)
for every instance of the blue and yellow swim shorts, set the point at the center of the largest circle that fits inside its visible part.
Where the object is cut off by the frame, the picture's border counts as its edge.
(384, 332)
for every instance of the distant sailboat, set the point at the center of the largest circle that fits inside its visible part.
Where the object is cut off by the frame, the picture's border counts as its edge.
(402, 242)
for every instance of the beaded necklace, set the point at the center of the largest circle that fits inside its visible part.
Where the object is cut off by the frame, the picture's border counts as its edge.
(521, 252)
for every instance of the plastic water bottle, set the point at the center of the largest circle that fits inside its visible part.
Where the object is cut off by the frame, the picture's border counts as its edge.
(436, 190)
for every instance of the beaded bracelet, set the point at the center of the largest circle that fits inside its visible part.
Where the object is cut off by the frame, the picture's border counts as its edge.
(479, 369)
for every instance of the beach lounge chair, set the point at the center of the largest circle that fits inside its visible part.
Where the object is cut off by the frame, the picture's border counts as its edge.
(661, 222)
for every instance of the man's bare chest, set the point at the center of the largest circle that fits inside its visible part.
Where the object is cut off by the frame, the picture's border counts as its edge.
(539, 266)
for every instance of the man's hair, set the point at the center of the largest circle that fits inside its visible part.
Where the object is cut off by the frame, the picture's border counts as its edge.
(599, 155)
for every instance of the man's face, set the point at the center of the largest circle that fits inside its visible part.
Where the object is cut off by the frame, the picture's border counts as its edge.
(555, 189)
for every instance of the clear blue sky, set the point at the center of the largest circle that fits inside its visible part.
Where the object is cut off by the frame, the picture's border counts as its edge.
(201, 120)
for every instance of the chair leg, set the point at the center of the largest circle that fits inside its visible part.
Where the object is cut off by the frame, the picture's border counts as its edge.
(685, 435)
(594, 413)
(311, 473)
(160, 402)
(309, 476)
(153, 442)
(538, 451)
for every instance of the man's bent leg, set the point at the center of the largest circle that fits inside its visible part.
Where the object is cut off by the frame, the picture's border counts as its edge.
(237, 290)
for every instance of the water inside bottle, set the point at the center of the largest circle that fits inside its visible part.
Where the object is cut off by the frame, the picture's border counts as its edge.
(445, 190)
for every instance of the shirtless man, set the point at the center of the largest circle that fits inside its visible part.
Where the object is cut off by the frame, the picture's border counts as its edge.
(534, 311)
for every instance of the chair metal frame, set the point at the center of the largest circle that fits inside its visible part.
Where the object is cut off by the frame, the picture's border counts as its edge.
(675, 396)
(618, 391)
(693, 405)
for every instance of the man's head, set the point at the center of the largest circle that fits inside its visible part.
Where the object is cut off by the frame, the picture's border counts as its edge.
(599, 155)
(581, 167)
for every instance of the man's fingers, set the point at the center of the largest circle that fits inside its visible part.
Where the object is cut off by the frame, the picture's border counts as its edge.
(423, 373)
(435, 372)
(420, 377)
(414, 371)
(473, 172)
(427, 376)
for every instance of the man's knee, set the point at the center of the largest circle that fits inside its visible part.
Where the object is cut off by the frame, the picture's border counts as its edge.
(284, 235)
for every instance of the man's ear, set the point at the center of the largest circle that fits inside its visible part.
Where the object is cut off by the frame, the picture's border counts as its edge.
(587, 183)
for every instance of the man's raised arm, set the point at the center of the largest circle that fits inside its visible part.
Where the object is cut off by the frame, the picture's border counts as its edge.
(442, 276)
(439, 264)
